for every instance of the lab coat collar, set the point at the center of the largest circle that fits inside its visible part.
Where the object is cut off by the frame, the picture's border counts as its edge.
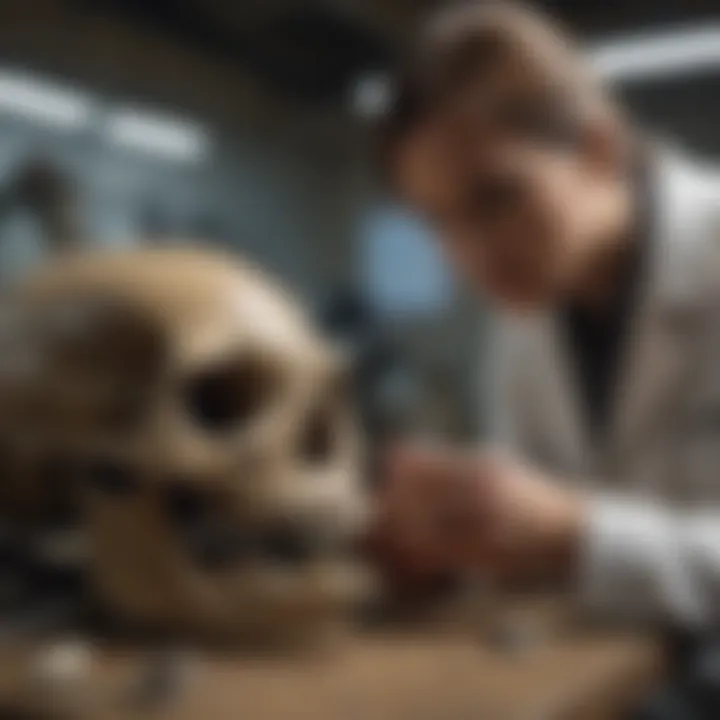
(668, 302)
(681, 195)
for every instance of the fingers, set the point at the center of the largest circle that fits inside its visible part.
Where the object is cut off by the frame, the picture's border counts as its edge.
(443, 509)
(432, 502)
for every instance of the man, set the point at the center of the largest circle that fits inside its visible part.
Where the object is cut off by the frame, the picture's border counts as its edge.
(601, 255)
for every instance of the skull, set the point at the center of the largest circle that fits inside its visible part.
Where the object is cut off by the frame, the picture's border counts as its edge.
(187, 409)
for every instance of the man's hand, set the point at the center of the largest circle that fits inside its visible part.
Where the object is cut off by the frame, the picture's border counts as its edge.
(446, 510)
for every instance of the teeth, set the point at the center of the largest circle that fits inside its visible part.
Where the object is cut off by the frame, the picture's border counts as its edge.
(288, 545)
(215, 547)
(217, 543)
(220, 548)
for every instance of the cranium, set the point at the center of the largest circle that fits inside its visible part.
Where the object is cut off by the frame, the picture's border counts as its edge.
(191, 408)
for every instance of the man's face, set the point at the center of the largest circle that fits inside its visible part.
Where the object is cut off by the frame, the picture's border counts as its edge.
(511, 185)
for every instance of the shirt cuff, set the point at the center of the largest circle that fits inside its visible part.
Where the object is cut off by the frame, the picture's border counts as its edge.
(630, 561)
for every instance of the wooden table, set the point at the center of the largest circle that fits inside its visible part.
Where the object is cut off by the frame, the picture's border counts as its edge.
(395, 676)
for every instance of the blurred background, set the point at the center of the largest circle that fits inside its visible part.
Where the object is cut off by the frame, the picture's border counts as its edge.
(246, 124)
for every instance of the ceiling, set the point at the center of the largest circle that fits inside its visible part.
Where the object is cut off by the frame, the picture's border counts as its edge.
(313, 48)
(307, 48)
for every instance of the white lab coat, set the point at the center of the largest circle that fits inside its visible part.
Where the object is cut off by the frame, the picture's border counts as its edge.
(652, 546)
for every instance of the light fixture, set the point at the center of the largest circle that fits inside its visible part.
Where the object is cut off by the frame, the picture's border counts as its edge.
(163, 136)
(371, 95)
(29, 98)
(651, 55)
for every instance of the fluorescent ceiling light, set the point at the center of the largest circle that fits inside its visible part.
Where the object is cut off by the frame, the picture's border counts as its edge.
(645, 56)
(158, 135)
(28, 98)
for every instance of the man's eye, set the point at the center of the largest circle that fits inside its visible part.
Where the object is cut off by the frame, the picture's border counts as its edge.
(494, 198)
(550, 124)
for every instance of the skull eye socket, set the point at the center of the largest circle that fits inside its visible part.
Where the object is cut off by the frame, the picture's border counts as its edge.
(317, 440)
(321, 432)
(230, 394)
